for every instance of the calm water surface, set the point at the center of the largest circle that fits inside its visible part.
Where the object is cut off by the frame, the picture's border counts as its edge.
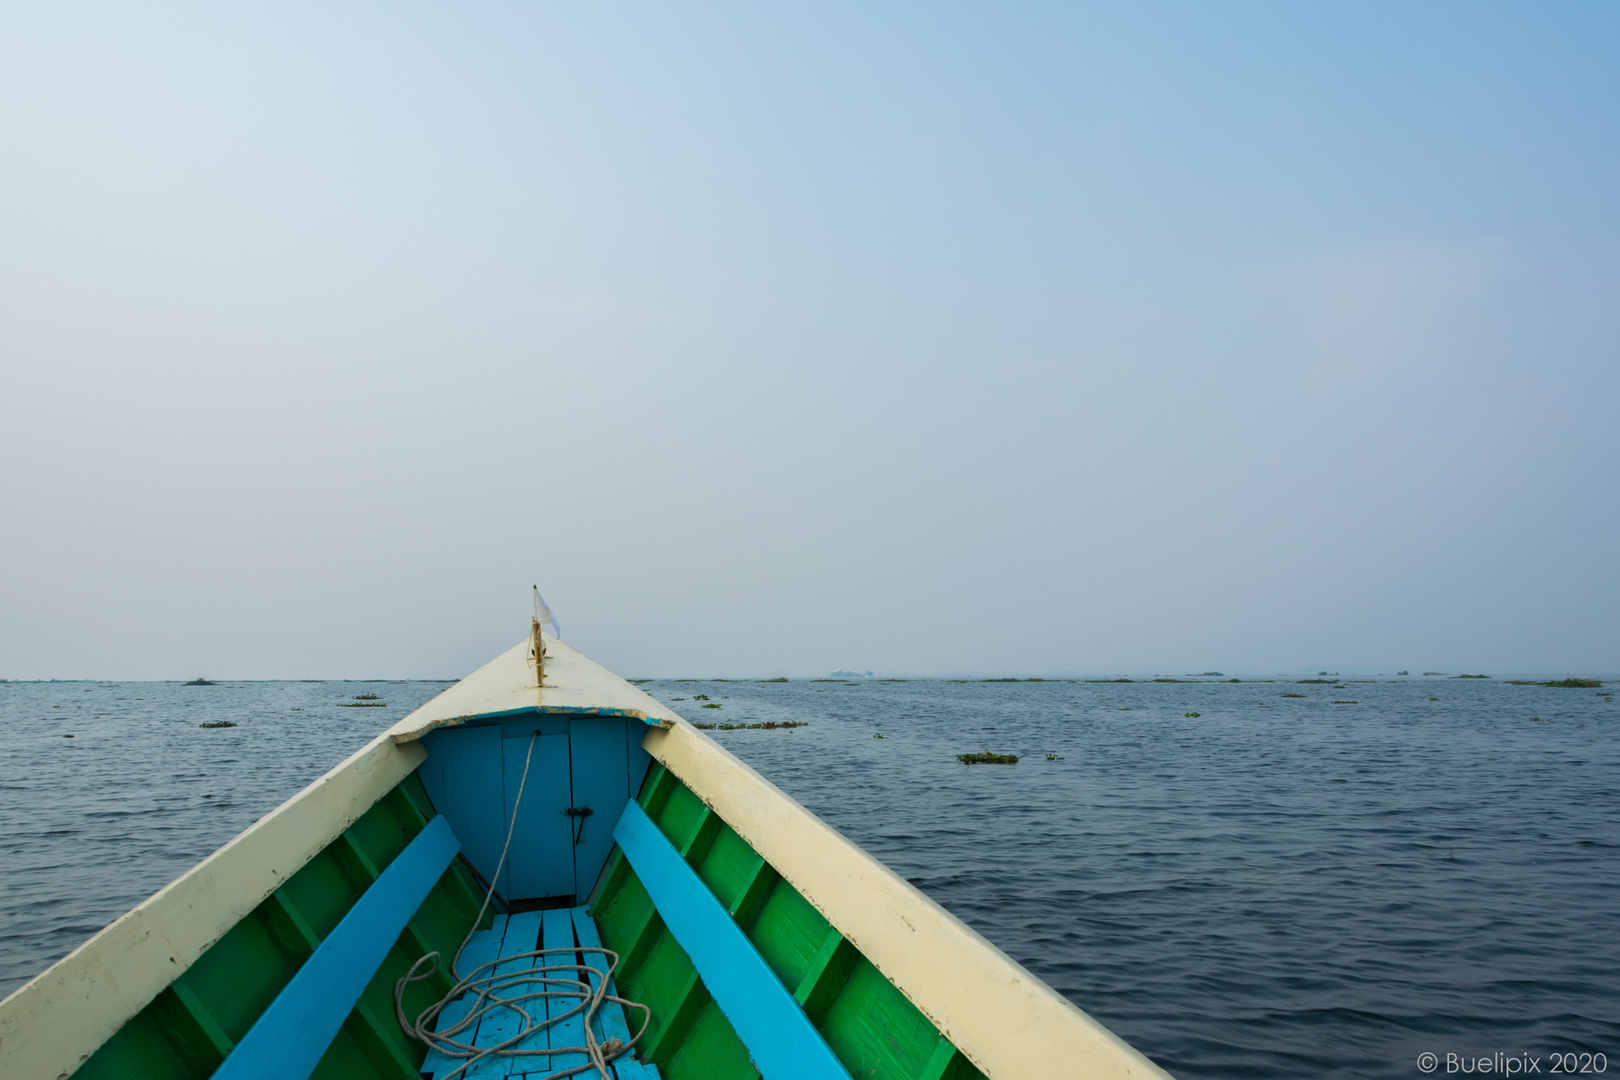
(1275, 887)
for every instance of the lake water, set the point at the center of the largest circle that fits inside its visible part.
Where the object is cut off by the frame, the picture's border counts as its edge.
(1274, 887)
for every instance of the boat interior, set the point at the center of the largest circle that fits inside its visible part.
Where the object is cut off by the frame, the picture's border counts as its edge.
(738, 974)
(544, 872)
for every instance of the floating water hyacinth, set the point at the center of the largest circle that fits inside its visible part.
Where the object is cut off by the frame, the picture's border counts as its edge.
(769, 725)
(987, 758)
(1568, 683)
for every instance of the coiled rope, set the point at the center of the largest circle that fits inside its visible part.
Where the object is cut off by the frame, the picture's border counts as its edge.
(537, 983)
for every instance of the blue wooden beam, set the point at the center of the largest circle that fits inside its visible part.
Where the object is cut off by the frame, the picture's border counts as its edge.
(287, 1042)
(779, 1036)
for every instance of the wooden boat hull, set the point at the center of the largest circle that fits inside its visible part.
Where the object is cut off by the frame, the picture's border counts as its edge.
(761, 941)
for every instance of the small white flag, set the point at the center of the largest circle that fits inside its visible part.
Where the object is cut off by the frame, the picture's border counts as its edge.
(543, 615)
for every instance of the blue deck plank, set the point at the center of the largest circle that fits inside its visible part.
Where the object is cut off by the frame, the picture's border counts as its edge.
(482, 947)
(437, 1064)
(610, 1019)
(522, 935)
(559, 934)
(288, 1040)
(781, 1040)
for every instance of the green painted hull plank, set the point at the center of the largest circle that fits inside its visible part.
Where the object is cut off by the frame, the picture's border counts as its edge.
(870, 1025)
(186, 1031)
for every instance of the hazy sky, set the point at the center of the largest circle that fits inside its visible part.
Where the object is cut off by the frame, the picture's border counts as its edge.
(929, 338)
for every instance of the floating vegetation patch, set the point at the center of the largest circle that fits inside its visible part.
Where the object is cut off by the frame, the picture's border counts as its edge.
(1169, 680)
(1052, 757)
(70, 736)
(217, 724)
(367, 697)
(1569, 683)
(879, 736)
(998, 680)
(1539, 720)
(638, 682)
(1470, 676)
(1294, 695)
(700, 697)
(1191, 714)
(713, 705)
(1434, 699)
(1347, 703)
(362, 704)
(1110, 680)
(985, 757)
(779, 678)
(769, 725)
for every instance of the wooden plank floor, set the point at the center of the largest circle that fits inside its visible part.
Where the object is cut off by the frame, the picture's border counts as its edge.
(513, 936)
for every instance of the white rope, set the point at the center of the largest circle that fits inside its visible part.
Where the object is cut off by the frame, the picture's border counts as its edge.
(490, 993)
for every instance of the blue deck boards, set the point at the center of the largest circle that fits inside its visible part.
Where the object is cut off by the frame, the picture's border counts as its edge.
(779, 1036)
(482, 947)
(499, 1025)
(557, 929)
(610, 1019)
(289, 1039)
(558, 933)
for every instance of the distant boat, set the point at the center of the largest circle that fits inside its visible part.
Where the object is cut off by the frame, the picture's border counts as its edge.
(199, 681)
(548, 821)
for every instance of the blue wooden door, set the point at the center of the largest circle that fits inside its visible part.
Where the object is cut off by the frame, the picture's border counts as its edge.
(579, 764)
(541, 860)
(462, 777)
(600, 783)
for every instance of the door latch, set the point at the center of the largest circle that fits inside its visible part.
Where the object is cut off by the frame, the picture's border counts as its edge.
(579, 813)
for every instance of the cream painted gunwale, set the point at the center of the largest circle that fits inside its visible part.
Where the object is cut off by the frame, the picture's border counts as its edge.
(1008, 1022)
(53, 1023)
(574, 684)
